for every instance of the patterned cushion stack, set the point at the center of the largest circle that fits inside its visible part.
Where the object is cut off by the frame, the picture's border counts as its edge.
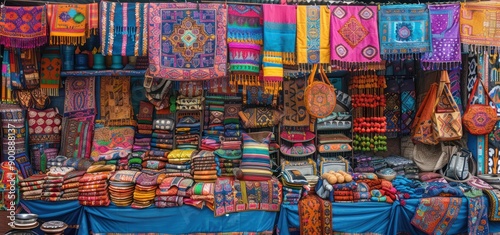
(154, 161)
(135, 161)
(93, 187)
(173, 191)
(213, 127)
(144, 127)
(228, 161)
(187, 132)
(162, 138)
(121, 187)
(31, 188)
(204, 167)
(201, 194)
(145, 189)
(70, 185)
(52, 188)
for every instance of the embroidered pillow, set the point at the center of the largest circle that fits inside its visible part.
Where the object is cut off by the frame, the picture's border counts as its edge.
(297, 136)
(260, 117)
(333, 138)
(298, 149)
(334, 148)
(44, 126)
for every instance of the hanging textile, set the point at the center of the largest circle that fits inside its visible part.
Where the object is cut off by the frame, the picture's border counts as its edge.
(404, 31)
(124, 29)
(79, 99)
(50, 73)
(479, 25)
(408, 101)
(313, 41)
(93, 18)
(392, 110)
(6, 81)
(76, 138)
(244, 39)
(23, 27)
(279, 44)
(193, 43)
(436, 215)
(454, 75)
(116, 105)
(294, 103)
(354, 37)
(315, 215)
(446, 49)
(68, 23)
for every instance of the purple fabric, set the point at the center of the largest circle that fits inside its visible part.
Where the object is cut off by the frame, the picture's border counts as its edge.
(446, 51)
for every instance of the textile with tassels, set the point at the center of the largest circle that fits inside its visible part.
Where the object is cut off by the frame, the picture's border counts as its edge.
(30, 32)
(313, 39)
(475, 33)
(68, 23)
(50, 73)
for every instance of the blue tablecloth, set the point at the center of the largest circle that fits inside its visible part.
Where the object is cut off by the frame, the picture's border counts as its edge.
(71, 212)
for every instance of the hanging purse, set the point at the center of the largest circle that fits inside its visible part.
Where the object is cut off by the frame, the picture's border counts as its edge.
(447, 119)
(422, 130)
(479, 119)
(320, 97)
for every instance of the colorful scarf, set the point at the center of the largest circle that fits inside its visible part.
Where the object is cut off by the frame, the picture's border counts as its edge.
(477, 217)
(93, 18)
(315, 215)
(354, 37)
(436, 215)
(279, 44)
(313, 42)
(124, 29)
(6, 80)
(446, 49)
(76, 138)
(30, 32)
(79, 96)
(244, 38)
(68, 23)
(50, 73)
(473, 30)
(193, 43)
(404, 31)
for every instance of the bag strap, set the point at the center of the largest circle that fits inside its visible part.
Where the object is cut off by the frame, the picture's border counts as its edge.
(310, 80)
(324, 77)
(470, 175)
(473, 92)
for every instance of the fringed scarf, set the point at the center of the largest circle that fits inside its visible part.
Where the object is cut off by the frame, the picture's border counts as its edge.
(404, 31)
(124, 29)
(446, 49)
(474, 33)
(354, 37)
(313, 41)
(436, 215)
(244, 37)
(71, 24)
(7, 88)
(50, 73)
(279, 44)
(30, 32)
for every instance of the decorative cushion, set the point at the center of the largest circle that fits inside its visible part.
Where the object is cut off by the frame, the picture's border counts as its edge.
(298, 149)
(260, 117)
(334, 148)
(255, 163)
(297, 136)
(43, 126)
(333, 138)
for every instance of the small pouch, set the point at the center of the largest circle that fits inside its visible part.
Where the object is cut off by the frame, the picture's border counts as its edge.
(297, 136)
(298, 149)
(334, 148)
(164, 124)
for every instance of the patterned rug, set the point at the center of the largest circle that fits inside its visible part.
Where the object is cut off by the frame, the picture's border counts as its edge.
(30, 32)
(315, 215)
(124, 28)
(436, 215)
(294, 103)
(408, 101)
(475, 33)
(112, 143)
(68, 23)
(50, 73)
(76, 138)
(199, 28)
(79, 96)
(116, 106)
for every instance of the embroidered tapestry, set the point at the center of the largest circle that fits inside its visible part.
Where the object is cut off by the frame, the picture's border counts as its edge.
(116, 106)
(23, 27)
(313, 39)
(192, 45)
(479, 24)
(477, 217)
(493, 204)
(294, 104)
(79, 96)
(315, 215)
(124, 28)
(43, 126)
(50, 73)
(436, 215)
(446, 48)
(76, 138)
(354, 36)
(404, 31)
(68, 23)
(112, 143)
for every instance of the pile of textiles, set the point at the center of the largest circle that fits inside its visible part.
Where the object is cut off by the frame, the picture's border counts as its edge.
(31, 187)
(112, 143)
(203, 167)
(172, 192)
(181, 156)
(228, 161)
(386, 192)
(231, 121)
(93, 187)
(398, 163)
(408, 188)
(154, 161)
(135, 161)
(201, 194)
(40, 154)
(80, 164)
(187, 132)
(439, 189)
(293, 183)
(162, 137)
(189, 103)
(345, 192)
(363, 164)
(71, 184)
(213, 126)
(56, 162)
(12, 117)
(145, 189)
(411, 171)
(121, 187)
(308, 168)
(52, 187)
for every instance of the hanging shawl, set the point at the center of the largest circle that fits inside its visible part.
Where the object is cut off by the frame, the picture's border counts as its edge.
(193, 43)
(446, 49)
(50, 73)
(354, 37)
(30, 32)
(124, 29)
(474, 33)
(279, 43)
(244, 37)
(404, 31)
(313, 41)
(68, 23)
(93, 18)
(7, 91)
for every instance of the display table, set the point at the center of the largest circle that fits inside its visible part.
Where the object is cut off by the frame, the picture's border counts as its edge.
(71, 212)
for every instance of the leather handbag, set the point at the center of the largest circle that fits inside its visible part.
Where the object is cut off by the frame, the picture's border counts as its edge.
(447, 119)
(320, 97)
(422, 130)
(479, 119)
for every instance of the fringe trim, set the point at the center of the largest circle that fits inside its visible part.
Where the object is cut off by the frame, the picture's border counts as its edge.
(64, 40)
(478, 49)
(286, 58)
(307, 68)
(402, 56)
(25, 43)
(130, 31)
(273, 87)
(356, 66)
(289, 58)
(236, 79)
(440, 65)
(230, 38)
(51, 91)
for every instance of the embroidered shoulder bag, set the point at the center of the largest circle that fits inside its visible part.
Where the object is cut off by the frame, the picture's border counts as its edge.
(447, 119)
(320, 98)
(479, 119)
(422, 130)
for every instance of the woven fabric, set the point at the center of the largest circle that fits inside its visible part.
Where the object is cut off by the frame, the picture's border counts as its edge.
(315, 215)
(76, 138)
(404, 30)
(313, 30)
(354, 36)
(436, 215)
(68, 23)
(124, 28)
(116, 105)
(279, 43)
(493, 204)
(23, 27)
(255, 160)
(294, 104)
(446, 49)
(44, 126)
(79, 96)
(50, 73)
(479, 24)
(455, 87)
(112, 143)
(408, 101)
(477, 217)
(244, 37)
(193, 43)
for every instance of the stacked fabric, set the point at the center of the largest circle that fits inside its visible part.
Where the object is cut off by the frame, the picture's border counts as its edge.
(80, 164)
(52, 187)
(213, 126)
(181, 156)
(378, 163)
(172, 191)
(408, 188)
(145, 189)
(154, 161)
(398, 163)
(232, 127)
(345, 192)
(362, 193)
(121, 187)
(411, 171)
(135, 161)
(228, 161)
(201, 194)
(438, 189)
(387, 192)
(144, 127)
(293, 183)
(70, 185)
(56, 162)
(203, 167)
(31, 187)
(162, 137)
(188, 132)
(93, 186)
(363, 164)
(189, 101)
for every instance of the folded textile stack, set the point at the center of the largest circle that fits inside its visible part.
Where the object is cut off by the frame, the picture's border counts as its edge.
(145, 189)
(172, 191)
(112, 143)
(411, 171)
(121, 187)
(188, 131)
(362, 193)
(93, 187)
(162, 137)
(80, 164)
(135, 161)
(70, 185)
(201, 194)
(408, 188)
(52, 187)
(189, 102)
(387, 193)
(230, 143)
(144, 127)
(227, 161)
(378, 163)
(213, 126)
(13, 118)
(56, 162)
(363, 164)
(181, 156)
(398, 163)
(438, 189)
(154, 161)
(31, 187)
(203, 167)
(293, 183)
(345, 192)
(308, 168)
